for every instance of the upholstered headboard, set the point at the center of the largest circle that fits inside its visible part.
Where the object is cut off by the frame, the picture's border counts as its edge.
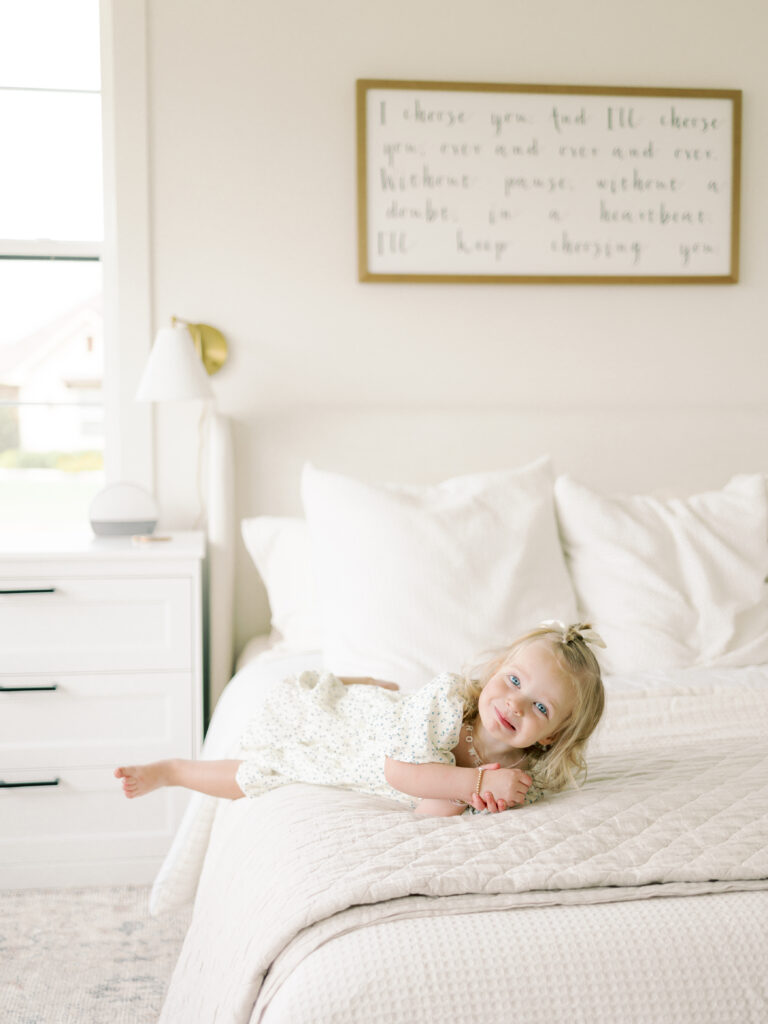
(612, 449)
(222, 548)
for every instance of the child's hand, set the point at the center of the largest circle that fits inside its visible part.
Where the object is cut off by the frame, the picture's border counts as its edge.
(502, 788)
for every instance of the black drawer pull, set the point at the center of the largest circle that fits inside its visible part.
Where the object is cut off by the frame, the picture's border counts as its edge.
(23, 785)
(31, 590)
(29, 689)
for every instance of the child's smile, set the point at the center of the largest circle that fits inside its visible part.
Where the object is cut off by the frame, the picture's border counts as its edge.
(507, 723)
(524, 703)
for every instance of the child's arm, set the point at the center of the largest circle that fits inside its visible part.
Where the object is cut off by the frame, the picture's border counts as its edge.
(368, 681)
(439, 808)
(440, 784)
(443, 782)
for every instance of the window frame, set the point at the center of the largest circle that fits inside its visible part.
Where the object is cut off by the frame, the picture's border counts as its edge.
(128, 425)
(124, 253)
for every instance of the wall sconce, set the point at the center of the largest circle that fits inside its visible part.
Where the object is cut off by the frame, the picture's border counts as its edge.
(210, 343)
(175, 373)
(178, 368)
(181, 359)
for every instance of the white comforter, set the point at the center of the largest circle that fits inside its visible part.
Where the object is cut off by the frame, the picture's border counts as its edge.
(676, 803)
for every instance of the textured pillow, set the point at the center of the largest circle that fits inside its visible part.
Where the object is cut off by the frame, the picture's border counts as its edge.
(413, 581)
(280, 549)
(671, 582)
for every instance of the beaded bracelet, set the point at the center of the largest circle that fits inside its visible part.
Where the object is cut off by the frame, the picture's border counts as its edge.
(478, 784)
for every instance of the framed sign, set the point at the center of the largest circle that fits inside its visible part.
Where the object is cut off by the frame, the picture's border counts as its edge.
(469, 182)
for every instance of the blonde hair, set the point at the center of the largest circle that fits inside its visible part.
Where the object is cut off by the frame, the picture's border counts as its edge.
(563, 763)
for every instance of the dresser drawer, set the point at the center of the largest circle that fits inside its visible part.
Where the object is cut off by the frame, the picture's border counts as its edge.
(95, 720)
(102, 663)
(47, 831)
(86, 625)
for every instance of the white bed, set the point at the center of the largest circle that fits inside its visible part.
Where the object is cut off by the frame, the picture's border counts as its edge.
(642, 896)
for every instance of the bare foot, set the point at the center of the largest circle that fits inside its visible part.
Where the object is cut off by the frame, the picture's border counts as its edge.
(143, 778)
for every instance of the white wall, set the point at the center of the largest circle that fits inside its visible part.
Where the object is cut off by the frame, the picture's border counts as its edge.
(253, 194)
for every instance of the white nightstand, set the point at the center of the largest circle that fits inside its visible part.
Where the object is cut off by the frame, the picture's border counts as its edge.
(101, 664)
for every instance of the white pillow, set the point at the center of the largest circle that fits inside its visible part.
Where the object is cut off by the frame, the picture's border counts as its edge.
(671, 582)
(416, 580)
(280, 549)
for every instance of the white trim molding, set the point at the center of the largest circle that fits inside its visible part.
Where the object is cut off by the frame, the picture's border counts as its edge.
(127, 267)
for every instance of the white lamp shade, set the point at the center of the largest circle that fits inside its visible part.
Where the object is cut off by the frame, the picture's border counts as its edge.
(174, 371)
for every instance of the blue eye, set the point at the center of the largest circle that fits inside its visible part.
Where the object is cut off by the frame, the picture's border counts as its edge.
(541, 707)
(514, 680)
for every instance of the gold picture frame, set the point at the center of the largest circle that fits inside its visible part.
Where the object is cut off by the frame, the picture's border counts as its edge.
(467, 182)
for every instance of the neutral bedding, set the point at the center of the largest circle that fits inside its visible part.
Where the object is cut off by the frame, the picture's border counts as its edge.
(676, 805)
(641, 897)
(678, 960)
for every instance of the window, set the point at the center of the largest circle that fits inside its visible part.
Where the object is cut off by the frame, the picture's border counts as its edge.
(51, 237)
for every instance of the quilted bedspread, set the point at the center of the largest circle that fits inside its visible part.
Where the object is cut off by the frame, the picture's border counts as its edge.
(676, 802)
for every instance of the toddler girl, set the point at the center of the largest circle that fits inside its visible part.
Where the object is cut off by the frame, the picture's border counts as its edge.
(488, 743)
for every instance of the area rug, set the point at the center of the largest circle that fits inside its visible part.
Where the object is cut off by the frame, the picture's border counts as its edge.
(85, 956)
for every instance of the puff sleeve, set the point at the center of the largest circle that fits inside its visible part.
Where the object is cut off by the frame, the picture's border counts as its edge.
(427, 725)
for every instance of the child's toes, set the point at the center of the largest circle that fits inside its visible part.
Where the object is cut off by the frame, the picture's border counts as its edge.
(119, 773)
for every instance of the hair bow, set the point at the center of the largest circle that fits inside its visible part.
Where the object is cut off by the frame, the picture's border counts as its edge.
(591, 636)
(587, 634)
